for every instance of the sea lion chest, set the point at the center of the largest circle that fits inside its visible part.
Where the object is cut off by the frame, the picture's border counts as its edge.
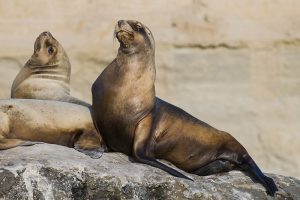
(41, 82)
(119, 105)
(40, 87)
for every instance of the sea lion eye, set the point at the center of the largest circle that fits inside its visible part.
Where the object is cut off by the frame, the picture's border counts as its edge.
(50, 50)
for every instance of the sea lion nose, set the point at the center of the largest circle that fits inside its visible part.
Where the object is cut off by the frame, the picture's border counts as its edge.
(121, 22)
(47, 33)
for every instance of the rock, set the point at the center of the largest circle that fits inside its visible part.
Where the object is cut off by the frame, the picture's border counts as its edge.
(233, 64)
(47, 171)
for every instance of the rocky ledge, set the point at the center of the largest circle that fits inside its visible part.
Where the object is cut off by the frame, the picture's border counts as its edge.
(48, 171)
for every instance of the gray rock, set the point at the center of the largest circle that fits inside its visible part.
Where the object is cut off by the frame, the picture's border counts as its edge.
(233, 64)
(48, 171)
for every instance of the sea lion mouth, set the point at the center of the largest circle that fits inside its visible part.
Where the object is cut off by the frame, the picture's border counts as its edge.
(124, 37)
(124, 33)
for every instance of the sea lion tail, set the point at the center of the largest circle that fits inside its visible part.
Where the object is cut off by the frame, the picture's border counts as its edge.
(250, 166)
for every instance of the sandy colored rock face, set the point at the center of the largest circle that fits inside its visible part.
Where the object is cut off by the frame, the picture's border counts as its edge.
(234, 64)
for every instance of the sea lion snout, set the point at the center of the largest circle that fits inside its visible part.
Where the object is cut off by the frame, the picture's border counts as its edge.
(41, 39)
(47, 34)
(121, 22)
(129, 25)
(123, 26)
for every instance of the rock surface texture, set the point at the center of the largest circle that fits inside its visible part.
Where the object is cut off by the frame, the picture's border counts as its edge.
(49, 172)
(233, 64)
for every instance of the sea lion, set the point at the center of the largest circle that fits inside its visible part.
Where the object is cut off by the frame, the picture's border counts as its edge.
(133, 121)
(30, 121)
(46, 75)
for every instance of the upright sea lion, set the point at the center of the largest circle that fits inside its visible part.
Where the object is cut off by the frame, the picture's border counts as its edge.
(25, 121)
(46, 75)
(133, 121)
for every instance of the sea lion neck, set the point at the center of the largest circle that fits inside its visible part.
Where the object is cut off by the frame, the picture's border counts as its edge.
(59, 71)
(138, 59)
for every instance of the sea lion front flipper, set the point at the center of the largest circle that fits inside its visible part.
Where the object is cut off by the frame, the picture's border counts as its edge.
(154, 163)
(93, 153)
(141, 152)
(90, 143)
(7, 143)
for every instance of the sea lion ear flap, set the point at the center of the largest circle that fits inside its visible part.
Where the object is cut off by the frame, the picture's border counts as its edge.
(150, 35)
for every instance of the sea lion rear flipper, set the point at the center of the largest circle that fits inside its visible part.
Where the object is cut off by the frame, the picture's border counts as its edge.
(250, 167)
(6, 143)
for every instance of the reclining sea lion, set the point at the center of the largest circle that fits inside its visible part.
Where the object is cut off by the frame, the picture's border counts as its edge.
(30, 121)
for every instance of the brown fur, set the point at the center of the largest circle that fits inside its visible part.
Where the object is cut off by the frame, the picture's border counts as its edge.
(46, 75)
(71, 125)
(133, 121)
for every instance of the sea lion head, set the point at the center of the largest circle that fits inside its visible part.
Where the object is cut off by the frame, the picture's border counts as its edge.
(48, 52)
(134, 36)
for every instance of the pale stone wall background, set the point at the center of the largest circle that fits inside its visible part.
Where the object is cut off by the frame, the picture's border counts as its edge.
(233, 64)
